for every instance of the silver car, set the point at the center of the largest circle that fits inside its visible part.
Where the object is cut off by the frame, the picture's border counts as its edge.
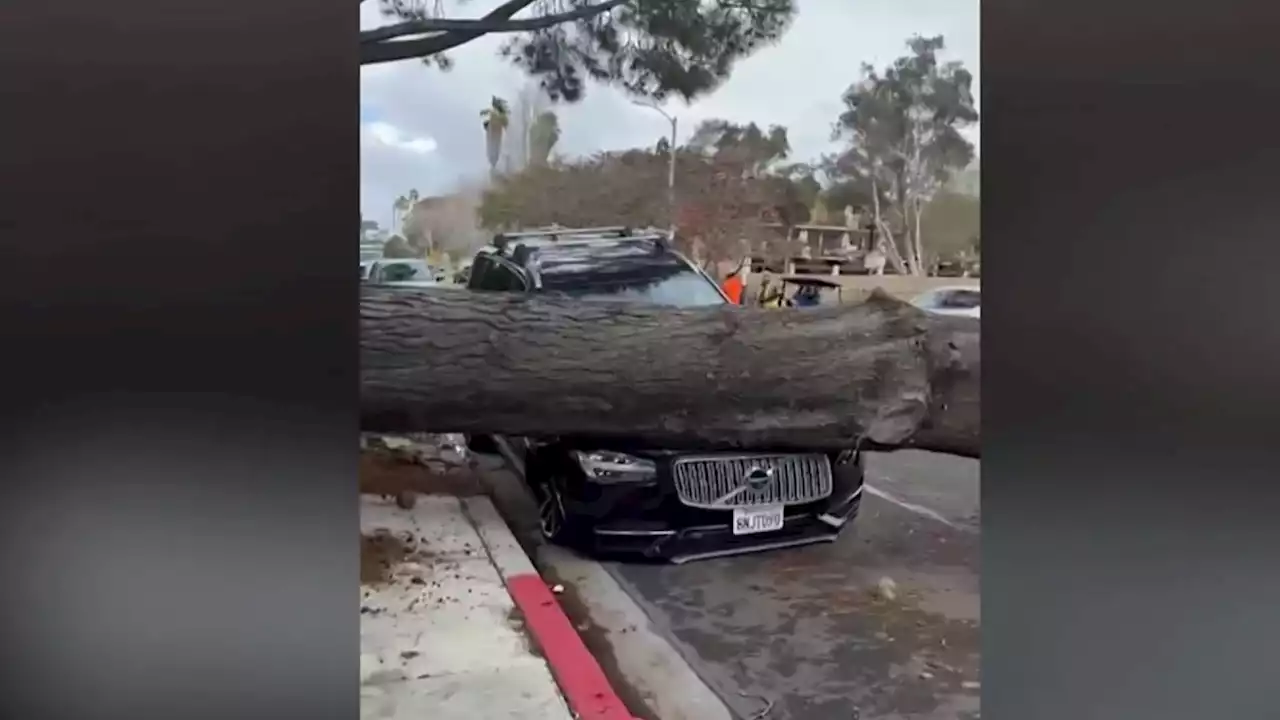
(961, 300)
(405, 273)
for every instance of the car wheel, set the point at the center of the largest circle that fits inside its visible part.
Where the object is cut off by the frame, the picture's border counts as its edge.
(556, 524)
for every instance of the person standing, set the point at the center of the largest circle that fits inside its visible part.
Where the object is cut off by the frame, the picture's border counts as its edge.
(733, 286)
(770, 296)
(763, 294)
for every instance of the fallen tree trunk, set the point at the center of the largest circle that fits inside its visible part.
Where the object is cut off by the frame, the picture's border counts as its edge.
(879, 375)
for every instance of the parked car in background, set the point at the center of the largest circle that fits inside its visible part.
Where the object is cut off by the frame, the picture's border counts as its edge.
(618, 497)
(964, 301)
(405, 273)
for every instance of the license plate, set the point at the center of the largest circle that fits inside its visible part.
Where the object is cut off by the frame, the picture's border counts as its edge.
(748, 521)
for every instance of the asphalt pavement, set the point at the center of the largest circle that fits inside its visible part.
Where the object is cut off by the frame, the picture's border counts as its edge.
(882, 624)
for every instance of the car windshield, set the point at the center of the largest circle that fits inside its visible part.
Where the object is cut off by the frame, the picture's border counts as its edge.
(406, 271)
(684, 289)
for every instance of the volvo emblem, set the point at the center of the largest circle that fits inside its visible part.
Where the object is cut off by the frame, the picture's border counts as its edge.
(757, 477)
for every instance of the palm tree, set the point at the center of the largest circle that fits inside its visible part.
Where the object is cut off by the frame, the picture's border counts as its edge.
(495, 119)
(411, 202)
(399, 206)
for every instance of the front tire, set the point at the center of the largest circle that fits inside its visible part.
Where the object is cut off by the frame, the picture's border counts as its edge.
(555, 523)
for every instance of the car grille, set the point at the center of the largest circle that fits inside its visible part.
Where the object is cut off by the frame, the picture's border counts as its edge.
(721, 482)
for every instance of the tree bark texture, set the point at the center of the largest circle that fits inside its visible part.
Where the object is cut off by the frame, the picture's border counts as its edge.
(877, 375)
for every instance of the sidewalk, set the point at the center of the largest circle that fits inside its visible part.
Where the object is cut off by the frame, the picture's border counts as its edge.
(456, 624)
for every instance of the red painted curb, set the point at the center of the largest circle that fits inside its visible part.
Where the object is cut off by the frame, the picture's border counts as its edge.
(583, 683)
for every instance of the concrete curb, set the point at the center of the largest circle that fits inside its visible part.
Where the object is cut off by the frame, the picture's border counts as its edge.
(658, 677)
(575, 669)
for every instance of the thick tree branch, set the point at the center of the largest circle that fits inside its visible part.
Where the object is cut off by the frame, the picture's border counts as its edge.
(374, 53)
(436, 25)
(879, 375)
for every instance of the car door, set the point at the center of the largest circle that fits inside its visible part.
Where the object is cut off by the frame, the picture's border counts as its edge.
(492, 274)
(480, 266)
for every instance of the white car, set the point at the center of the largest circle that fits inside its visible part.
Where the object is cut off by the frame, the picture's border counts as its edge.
(961, 300)
(405, 273)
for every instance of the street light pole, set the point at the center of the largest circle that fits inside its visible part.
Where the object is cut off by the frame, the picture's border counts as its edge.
(671, 165)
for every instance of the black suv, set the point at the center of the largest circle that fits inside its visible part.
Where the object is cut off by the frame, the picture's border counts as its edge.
(623, 498)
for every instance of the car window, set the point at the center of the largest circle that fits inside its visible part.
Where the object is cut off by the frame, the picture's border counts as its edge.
(406, 271)
(684, 289)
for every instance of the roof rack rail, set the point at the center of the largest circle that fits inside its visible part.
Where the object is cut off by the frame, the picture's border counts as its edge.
(559, 232)
(530, 239)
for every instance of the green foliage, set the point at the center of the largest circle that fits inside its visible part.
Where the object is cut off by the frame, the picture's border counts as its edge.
(951, 224)
(606, 189)
(904, 143)
(795, 190)
(848, 193)
(648, 48)
(721, 194)
(651, 48)
(747, 145)
(904, 122)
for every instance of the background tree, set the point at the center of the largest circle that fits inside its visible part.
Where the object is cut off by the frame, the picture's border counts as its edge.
(795, 189)
(495, 120)
(720, 203)
(903, 126)
(818, 212)
(398, 247)
(746, 145)
(841, 194)
(543, 137)
(650, 48)
(398, 209)
(405, 207)
(604, 189)
(722, 212)
(951, 222)
(530, 102)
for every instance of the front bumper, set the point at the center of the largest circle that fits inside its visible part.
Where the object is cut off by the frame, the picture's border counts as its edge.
(661, 541)
(648, 520)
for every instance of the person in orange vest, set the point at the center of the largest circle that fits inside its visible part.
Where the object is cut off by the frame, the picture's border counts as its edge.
(733, 285)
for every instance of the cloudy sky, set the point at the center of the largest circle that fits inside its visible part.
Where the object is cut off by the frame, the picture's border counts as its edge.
(420, 127)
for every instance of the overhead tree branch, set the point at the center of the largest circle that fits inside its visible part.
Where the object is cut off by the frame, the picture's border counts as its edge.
(484, 25)
(374, 53)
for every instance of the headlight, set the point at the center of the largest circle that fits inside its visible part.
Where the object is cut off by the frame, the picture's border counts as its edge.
(605, 466)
